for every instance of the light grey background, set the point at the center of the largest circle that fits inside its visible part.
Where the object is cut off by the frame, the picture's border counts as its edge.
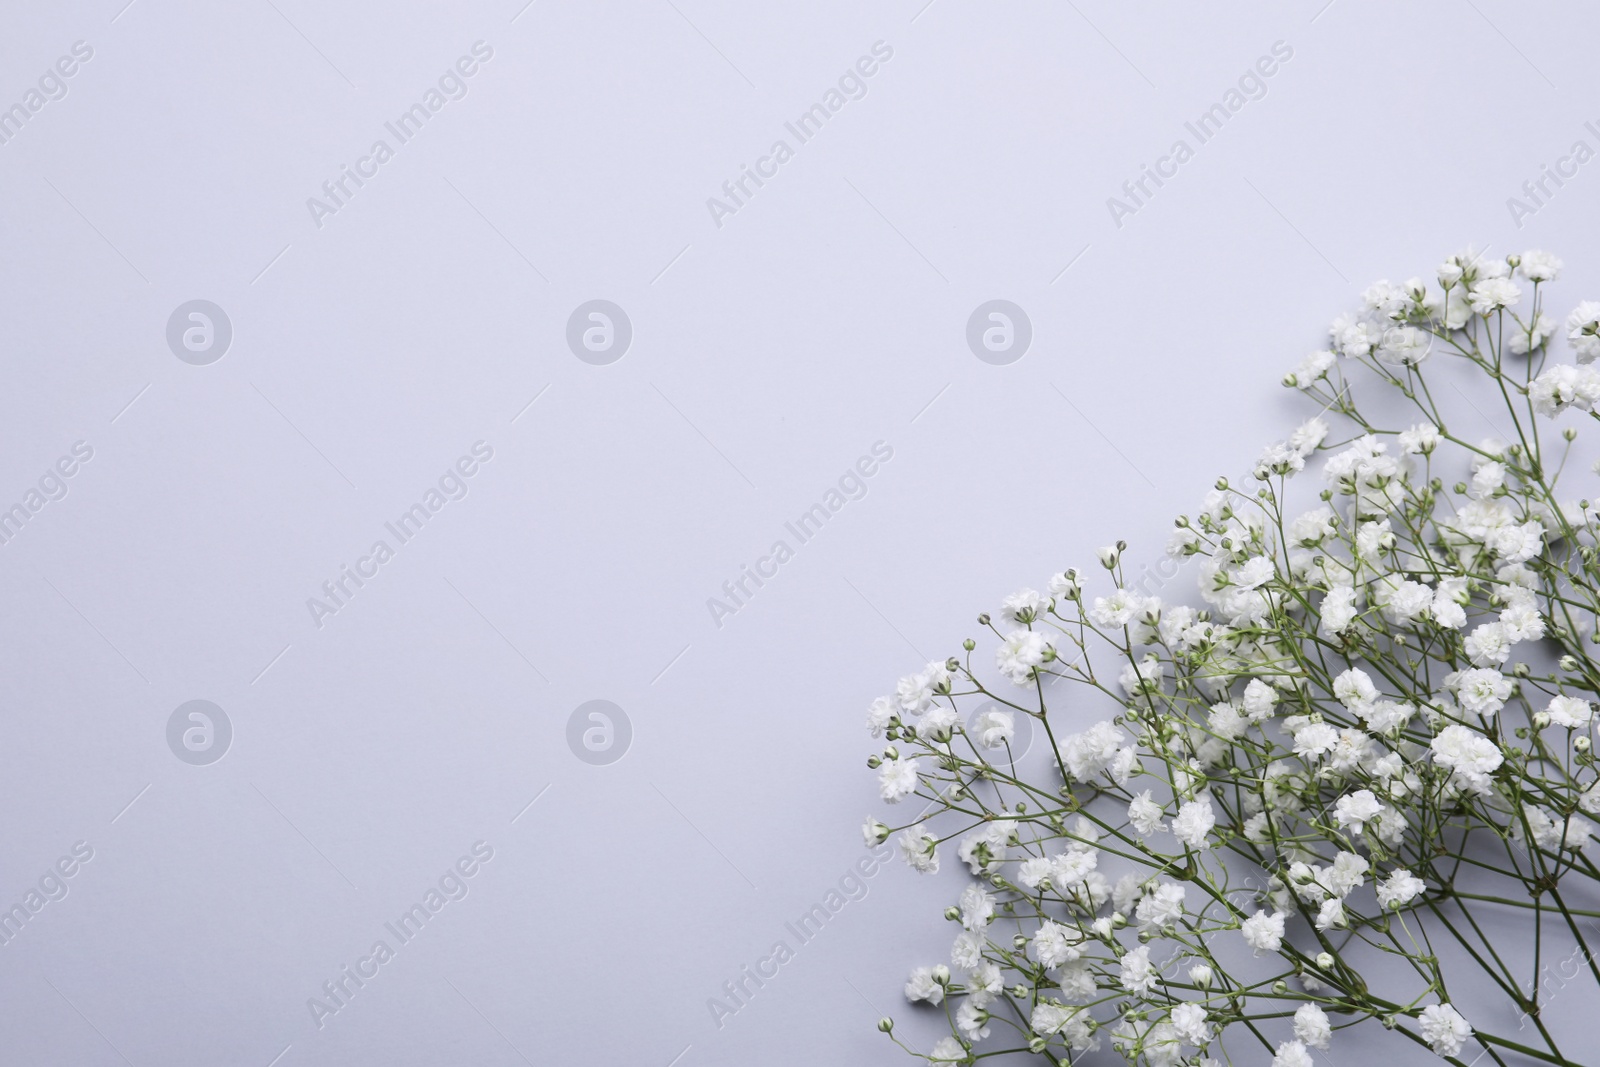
(768, 354)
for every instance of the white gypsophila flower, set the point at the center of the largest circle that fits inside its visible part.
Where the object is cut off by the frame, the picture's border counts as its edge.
(1259, 700)
(984, 849)
(880, 713)
(1189, 1022)
(1583, 330)
(984, 984)
(1162, 905)
(1533, 335)
(1330, 915)
(1405, 346)
(994, 728)
(919, 849)
(1481, 691)
(1569, 711)
(967, 950)
(1565, 386)
(977, 907)
(939, 723)
(1517, 544)
(1092, 752)
(1400, 889)
(915, 693)
(1538, 266)
(1183, 541)
(1419, 440)
(1033, 871)
(1023, 606)
(1263, 931)
(1468, 755)
(1404, 601)
(897, 779)
(1193, 823)
(1020, 653)
(1346, 874)
(972, 1021)
(1118, 609)
(1309, 435)
(1125, 894)
(1354, 810)
(1145, 815)
(922, 985)
(1227, 721)
(1054, 944)
(873, 832)
(1522, 622)
(1292, 1054)
(1314, 740)
(1589, 799)
(1136, 972)
(1444, 1029)
(1064, 586)
(1492, 294)
(1312, 527)
(1311, 1026)
(1280, 459)
(1339, 610)
(1312, 369)
(947, 1050)
(1071, 869)
(1487, 645)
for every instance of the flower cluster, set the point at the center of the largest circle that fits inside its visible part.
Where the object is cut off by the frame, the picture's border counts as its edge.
(1373, 722)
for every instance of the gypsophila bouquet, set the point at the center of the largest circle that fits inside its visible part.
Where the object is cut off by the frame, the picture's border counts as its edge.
(1348, 782)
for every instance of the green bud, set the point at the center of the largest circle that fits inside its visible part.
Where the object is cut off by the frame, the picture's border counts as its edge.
(885, 1024)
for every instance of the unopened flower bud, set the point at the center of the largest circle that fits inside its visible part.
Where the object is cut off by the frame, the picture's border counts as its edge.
(1581, 744)
(1108, 557)
(1569, 663)
(983, 620)
(1200, 975)
(952, 913)
(941, 974)
(969, 644)
(1324, 961)
(1541, 719)
(885, 1024)
(873, 762)
(1019, 942)
(890, 752)
(1280, 987)
(1037, 1045)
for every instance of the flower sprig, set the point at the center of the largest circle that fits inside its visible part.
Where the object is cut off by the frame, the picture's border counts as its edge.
(1373, 729)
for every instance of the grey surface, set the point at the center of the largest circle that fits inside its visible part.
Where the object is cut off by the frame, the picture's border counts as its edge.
(828, 313)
